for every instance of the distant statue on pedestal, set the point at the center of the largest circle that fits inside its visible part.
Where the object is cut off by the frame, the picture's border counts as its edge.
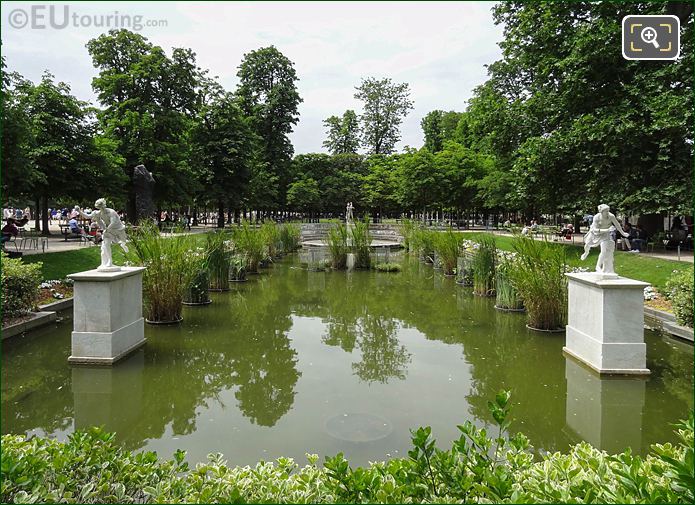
(348, 213)
(113, 231)
(143, 183)
(599, 234)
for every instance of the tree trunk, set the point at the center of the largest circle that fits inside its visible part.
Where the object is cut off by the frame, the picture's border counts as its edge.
(44, 217)
(37, 215)
(220, 214)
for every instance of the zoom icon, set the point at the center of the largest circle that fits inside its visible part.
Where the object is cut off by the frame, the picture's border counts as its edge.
(651, 37)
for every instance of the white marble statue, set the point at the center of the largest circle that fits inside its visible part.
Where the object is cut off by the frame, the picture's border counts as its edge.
(600, 235)
(113, 231)
(348, 213)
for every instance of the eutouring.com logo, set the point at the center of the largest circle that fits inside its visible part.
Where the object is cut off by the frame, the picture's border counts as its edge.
(61, 17)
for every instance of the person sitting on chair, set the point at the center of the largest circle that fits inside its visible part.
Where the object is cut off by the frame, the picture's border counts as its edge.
(639, 239)
(75, 227)
(8, 231)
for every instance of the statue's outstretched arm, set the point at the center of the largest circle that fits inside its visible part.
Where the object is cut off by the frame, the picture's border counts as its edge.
(618, 226)
(86, 215)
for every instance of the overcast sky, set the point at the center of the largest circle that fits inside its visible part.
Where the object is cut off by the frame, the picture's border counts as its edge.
(440, 49)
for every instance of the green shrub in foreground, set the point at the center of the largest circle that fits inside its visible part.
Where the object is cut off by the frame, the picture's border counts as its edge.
(90, 468)
(20, 286)
(680, 291)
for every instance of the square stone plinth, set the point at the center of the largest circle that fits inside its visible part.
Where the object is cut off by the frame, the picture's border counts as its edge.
(108, 322)
(605, 325)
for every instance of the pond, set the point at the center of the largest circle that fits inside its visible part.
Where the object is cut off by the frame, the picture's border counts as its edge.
(294, 362)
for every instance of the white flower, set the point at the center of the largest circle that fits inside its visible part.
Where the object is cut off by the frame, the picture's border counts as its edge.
(650, 293)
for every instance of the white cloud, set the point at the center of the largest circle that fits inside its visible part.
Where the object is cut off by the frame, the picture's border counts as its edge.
(439, 48)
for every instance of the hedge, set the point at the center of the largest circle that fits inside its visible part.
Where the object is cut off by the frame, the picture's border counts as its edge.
(20, 286)
(679, 290)
(91, 468)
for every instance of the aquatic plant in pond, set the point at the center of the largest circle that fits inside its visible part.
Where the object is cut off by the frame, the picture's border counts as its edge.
(249, 242)
(198, 290)
(387, 267)
(290, 237)
(361, 240)
(408, 228)
(447, 245)
(538, 274)
(271, 236)
(237, 269)
(218, 255)
(483, 266)
(507, 297)
(423, 242)
(171, 264)
(337, 243)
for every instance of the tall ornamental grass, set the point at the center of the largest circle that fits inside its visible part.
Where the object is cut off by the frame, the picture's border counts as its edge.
(271, 236)
(447, 245)
(290, 237)
(423, 242)
(538, 274)
(483, 266)
(361, 240)
(408, 228)
(337, 243)
(171, 264)
(507, 296)
(249, 242)
(218, 256)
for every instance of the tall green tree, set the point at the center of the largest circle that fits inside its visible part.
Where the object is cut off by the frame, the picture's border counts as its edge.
(268, 95)
(18, 174)
(386, 104)
(439, 127)
(576, 122)
(67, 156)
(149, 102)
(224, 148)
(343, 135)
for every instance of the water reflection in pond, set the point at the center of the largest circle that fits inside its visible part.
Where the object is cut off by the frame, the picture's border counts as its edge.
(295, 361)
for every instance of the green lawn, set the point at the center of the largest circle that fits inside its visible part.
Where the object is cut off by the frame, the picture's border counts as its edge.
(653, 270)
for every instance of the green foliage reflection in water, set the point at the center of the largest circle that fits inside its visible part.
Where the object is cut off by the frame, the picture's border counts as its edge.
(478, 467)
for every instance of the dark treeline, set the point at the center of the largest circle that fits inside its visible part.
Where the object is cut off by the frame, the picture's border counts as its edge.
(562, 123)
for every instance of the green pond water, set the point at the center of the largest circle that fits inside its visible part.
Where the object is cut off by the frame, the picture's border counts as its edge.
(294, 361)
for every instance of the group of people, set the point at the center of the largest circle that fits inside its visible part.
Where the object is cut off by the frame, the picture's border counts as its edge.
(636, 240)
(16, 213)
(91, 232)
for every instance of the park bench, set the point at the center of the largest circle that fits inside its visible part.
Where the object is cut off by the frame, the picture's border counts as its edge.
(68, 234)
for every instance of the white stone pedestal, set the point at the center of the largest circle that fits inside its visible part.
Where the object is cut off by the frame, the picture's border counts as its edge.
(605, 326)
(108, 322)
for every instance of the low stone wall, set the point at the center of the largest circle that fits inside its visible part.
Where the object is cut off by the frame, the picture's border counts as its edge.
(35, 320)
(379, 231)
(659, 319)
(47, 315)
